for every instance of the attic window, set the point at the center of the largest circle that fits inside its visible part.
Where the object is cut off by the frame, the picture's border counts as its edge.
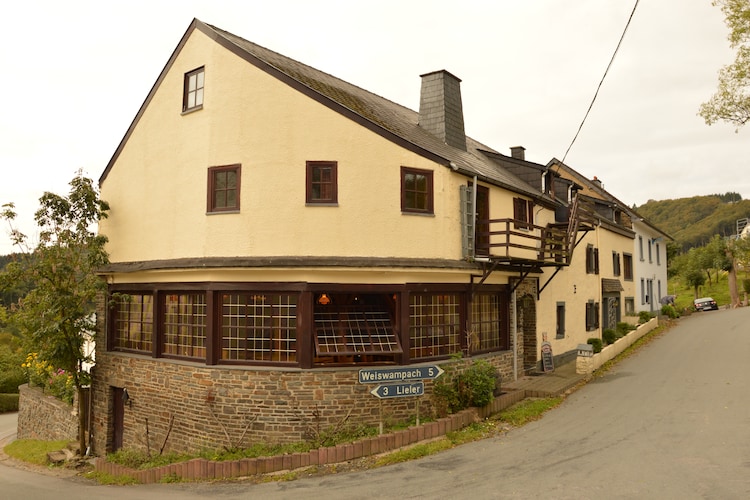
(192, 97)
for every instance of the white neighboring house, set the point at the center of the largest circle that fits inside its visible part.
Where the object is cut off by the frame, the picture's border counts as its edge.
(649, 266)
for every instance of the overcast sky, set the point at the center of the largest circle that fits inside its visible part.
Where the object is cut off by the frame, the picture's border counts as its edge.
(77, 71)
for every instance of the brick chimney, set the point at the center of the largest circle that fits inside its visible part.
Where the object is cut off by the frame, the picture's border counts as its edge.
(518, 152)
(440, 109)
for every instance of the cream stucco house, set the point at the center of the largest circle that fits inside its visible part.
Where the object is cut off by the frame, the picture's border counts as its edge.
(274, 229)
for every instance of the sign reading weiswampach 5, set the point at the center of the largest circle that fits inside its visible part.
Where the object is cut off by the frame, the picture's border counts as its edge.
(402, 374)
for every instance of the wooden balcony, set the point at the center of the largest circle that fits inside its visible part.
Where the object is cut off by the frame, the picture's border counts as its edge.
(513, 241)
(520, 244)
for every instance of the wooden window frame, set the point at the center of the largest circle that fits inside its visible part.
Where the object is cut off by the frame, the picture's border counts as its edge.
(615, 263)
(489, 325)
(560, 320)
(257, 327)
(197, 93)
(523, 214)
(214, 190)
(313, 198)
(592, 260)
(184, 334)
(627, 266)
(409, 195)
(592, 316)
(133, 322)
(432, 334)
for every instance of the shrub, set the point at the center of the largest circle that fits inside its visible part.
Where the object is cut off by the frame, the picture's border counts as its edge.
(8, 402)
(476, 385)
(644, 317)
(624, 328)
(457, 390)
(597, 343)
(669, 311)
(609, 336)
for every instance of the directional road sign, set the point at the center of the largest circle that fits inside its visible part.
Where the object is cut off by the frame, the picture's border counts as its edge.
(401, 374)
(399, 390)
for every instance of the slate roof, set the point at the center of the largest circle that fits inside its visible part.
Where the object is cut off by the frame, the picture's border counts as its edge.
(391, 120)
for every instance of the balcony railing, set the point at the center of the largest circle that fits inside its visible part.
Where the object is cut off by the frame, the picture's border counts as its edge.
(514, 240)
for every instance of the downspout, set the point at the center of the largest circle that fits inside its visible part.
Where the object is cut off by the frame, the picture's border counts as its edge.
(474, 216)
(514, 334)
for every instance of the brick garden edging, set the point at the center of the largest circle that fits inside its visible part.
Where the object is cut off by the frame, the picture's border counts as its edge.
(203, 469)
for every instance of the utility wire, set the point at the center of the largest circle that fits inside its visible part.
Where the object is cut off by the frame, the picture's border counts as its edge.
(601, 81)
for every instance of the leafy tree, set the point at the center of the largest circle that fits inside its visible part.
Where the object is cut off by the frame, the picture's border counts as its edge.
(56, 315)
(731, 102)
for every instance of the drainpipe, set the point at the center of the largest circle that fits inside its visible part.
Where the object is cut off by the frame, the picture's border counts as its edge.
(474, 216)
(514, 334)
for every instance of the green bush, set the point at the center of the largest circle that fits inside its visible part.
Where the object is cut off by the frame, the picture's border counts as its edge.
(597, 343)
(624, 328)
(746, 285)
(476, 385)
(644, 317)
(669, 311)
(8, 402)
(9, 382)
(457, 390)
(609, 336)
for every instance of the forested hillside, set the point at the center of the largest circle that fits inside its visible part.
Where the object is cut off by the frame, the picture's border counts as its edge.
(693, 221)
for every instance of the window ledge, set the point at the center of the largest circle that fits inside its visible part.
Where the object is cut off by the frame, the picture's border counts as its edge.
(192, 110)
(219, 212)
(423, 214)
(315, 204)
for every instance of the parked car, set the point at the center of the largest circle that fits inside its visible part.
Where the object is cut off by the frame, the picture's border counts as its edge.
(705, 304)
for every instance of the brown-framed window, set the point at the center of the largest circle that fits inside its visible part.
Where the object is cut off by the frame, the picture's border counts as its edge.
(592, 260)
(322, 182)
(523, 213)
(592, 315)
(133, 322)
(258, 327)
(560, 320)
(416, 191)
(192, 96)
(434, 325)
(615, 263)
(354, 325)
(184, 325)
(224, 188)
(627, 265)
(488, 330)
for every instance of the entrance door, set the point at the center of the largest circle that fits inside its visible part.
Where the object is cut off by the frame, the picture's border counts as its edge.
(482, 231)
(118, 418)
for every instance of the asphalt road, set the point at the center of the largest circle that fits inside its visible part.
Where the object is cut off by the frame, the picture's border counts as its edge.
(672, 421)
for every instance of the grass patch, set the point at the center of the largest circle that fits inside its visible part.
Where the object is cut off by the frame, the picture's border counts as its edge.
(33, 451)
(109, 479)
(414, 452)
(528, 410)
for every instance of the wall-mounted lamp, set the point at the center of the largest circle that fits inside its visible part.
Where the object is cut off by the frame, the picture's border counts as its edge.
(126, 398)
(324, 299)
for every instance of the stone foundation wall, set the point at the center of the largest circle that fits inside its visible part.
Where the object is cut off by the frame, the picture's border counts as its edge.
(42, 416)
(188, 407)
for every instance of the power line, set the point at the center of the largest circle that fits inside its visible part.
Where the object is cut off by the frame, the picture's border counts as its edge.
(601, 81)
